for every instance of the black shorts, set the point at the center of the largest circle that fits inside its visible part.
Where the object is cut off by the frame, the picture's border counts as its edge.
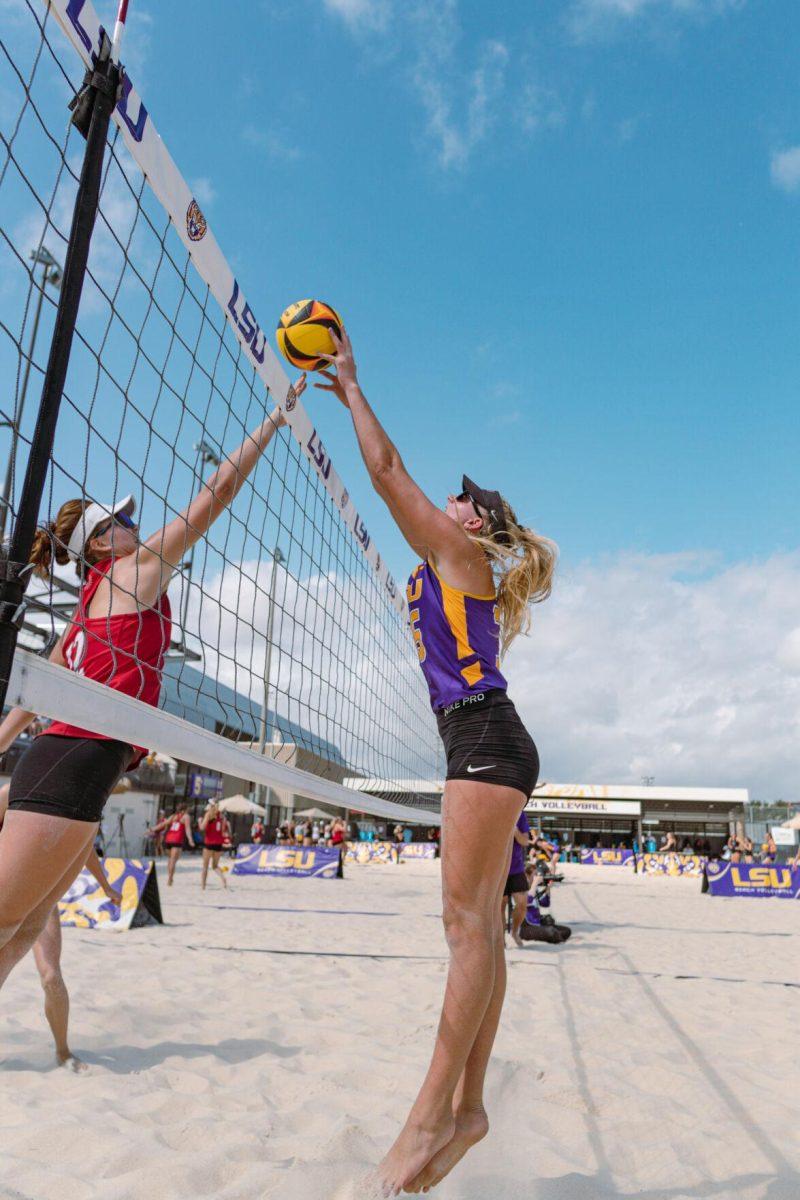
(516, 883)
(68, 776)
(484, 739)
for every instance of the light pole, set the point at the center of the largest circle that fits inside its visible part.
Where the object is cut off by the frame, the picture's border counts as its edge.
(52, 274)
(277, 557)
(206, 456)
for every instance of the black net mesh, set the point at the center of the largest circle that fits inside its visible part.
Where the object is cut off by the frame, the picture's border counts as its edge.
(282, 635)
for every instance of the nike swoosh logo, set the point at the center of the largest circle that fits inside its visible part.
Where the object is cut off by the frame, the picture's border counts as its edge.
(472, 770)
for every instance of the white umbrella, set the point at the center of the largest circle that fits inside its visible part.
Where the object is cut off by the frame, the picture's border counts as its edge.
(241, 805)
(314, 813)
(792, 823)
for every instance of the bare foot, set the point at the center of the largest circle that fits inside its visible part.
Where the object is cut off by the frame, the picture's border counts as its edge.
(70, 1063)
(414, 1148)
(471, 1126)
(518, 941)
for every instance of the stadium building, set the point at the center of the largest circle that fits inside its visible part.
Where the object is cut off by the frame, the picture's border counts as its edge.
(607, 814)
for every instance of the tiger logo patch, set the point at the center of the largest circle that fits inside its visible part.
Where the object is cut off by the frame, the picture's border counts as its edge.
(196, 224)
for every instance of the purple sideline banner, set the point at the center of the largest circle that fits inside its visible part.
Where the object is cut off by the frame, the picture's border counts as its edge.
(671, 864)
(386, 852)
(606, 858)
(318, 862)
(86, 906)
(752, 879)
(418, 850)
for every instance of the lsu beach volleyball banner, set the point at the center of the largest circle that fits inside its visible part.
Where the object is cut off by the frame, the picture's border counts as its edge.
(671, 864)
(371, 852)
(82, 26)
(606, 858)
(318, 862)
(387, 852)
(425, 850)
(752, 879)
(86, 906)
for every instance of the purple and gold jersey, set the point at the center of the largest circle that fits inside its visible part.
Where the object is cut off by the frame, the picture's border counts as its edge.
(457, 636)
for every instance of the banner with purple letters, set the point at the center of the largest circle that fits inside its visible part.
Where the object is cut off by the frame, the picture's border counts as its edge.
(606, 858)
(752, 879)
(317, 862)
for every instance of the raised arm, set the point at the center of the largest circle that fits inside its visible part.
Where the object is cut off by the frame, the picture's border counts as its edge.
(151, 568)
(426, 528)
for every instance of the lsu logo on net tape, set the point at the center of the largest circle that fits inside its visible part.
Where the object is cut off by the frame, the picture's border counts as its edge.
(196, 224)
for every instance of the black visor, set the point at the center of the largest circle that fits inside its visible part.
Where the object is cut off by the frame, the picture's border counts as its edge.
(493, 504)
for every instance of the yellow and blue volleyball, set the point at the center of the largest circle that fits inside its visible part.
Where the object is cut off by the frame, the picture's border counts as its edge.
(304, 333)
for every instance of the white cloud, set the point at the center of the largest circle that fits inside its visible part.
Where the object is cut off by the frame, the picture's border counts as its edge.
(271, 143)
(785, 169)
(541, 108)
(665, 666)
(592, 18)
(361, 15)
(203, 191)
(460, 106)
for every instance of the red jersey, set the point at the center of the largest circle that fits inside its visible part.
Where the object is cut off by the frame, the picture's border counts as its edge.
(176, 832)
(214, 834)
(125, 652)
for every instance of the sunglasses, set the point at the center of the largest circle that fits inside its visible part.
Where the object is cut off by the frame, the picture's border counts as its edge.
(463, 497)
(121, 518)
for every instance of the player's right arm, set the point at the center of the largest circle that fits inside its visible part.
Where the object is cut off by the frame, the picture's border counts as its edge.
(426, 528)
(151, 568)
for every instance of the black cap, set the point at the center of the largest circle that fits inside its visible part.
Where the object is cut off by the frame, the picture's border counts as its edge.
(493, 504)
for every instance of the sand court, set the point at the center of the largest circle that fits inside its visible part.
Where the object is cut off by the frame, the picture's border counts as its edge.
(267, 1042)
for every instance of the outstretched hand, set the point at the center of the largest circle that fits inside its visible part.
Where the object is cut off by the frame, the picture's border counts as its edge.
(345, 375)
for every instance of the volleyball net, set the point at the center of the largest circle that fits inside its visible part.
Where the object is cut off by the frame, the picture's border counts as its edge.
(291, 664)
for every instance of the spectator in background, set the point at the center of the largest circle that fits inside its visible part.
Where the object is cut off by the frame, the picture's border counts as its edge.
(650, 843)
(398, 834)
(769, 849)
(669, 845)
(746, 847)
(257, 832)
(408, 834)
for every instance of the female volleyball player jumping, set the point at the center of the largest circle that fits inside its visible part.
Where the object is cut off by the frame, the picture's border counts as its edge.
(468, 599)
(118, 635)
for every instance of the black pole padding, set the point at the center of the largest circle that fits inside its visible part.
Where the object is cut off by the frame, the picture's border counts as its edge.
(98, 97)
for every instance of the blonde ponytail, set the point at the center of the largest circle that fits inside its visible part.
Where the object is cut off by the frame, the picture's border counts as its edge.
(523, 563)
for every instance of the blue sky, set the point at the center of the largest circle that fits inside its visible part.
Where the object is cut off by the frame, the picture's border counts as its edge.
(564, 238)
(561, 237)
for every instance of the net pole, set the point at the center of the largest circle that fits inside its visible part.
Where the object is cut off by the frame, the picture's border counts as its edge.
(5, 498)
(94, 106)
